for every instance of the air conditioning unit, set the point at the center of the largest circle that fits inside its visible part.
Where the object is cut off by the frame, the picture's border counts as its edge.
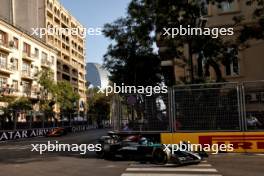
(12, 43)
(12, 59)
(253, 97)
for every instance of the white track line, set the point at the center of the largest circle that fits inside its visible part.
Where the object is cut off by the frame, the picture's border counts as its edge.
(162, 169)
(169, 165)
(160, 174)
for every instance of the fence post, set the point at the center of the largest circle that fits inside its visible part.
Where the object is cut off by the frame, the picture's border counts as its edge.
(70, 120)
(30, 121)
(15, 120)
(240, 106)
(170, 100)
(243, 107)
(43, 120)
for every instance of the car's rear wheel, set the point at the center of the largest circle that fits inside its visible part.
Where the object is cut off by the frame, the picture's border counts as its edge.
(105, 152)
(101, 154)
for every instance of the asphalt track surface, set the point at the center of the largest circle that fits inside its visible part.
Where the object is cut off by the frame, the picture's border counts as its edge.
(17, 159)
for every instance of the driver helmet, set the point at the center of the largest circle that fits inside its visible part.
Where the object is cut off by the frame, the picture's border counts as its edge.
(143, 141)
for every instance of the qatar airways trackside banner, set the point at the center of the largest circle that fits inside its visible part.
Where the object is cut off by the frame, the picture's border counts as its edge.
(20, 134)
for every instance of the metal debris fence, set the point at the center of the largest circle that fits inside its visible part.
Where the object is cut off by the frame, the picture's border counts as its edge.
(200, 107)
(19, 120)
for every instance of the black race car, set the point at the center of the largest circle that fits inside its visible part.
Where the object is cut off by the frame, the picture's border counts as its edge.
(141, 149)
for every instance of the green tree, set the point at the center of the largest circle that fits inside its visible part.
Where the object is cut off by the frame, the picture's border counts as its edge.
(131, 59)
(21, 104)
(98, 102)
(48, 90)
(10, 112)
(67, 98)
(46, 80)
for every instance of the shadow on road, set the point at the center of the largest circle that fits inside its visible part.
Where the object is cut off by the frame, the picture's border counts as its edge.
(13, 152)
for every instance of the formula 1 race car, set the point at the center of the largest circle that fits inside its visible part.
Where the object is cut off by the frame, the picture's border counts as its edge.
(141, 149)
(56, 132)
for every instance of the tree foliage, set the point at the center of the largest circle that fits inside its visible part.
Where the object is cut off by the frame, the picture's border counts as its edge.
(61, 92)
(48, 89)
(131, 58)
(66, 97)
(98, 102)
(46, 80)
(20, 104)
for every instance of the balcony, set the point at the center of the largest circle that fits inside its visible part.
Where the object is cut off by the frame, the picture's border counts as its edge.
(9, 91)
(28, 57)
(45, 63)
(27, 74)
(31, 94)
(6, 69)
(5, 47)
(74, 83)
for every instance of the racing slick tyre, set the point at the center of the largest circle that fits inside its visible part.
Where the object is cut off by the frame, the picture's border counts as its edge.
(104, 153)
(160, 156)
(100, 154)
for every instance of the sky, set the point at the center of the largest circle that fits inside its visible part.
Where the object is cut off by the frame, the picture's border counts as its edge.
(95, 13)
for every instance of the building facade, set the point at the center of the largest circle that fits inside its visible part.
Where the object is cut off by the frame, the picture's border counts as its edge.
(50, 14)
(249, 63)
(22, 57)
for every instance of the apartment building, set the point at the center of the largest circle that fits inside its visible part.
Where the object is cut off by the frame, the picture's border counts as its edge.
(71, 62)
(248, 65)
(22, 57)
(50, 14)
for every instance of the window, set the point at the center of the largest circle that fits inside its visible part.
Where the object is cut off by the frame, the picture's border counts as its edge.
(15, 85)
(26, 49)
(26, 86)
(3, 61)
(3, 82)
(36, 53)
(36, 70)
(228, 6)
(44, 56)
(232, 68)
(52, 60)
(16, 42)
(3, 38)
(26, 68)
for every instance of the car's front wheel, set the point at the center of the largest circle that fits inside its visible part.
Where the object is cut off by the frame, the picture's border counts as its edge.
(160, 156)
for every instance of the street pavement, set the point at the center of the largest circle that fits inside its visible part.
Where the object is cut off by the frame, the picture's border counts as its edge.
(16, 159)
